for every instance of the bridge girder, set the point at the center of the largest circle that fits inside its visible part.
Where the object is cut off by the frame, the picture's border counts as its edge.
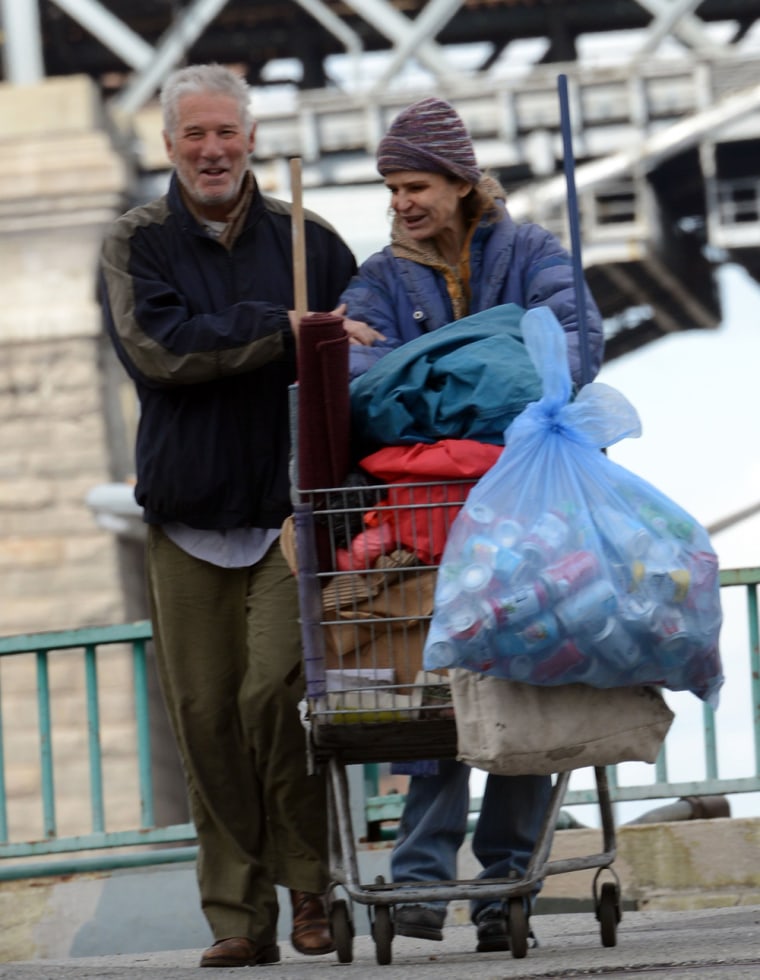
(102, 38)
(128, 46)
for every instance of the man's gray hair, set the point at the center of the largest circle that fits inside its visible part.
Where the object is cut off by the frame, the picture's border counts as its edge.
(197, 79)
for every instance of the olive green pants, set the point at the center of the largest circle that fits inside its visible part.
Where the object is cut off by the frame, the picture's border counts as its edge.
(228, 650)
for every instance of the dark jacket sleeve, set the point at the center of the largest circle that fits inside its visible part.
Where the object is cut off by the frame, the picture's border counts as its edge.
(158, 335)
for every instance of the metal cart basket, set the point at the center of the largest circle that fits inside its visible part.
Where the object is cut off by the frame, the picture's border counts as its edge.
(367, 561)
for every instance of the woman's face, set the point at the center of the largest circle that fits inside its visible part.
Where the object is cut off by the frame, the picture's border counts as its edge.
(427, 204)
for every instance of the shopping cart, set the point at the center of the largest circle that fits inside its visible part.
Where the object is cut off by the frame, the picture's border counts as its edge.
(367, 563)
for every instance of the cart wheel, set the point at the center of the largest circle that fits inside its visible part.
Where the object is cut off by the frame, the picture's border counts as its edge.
(342, 930)
(517, 924)
(382, 933)
(609, 913)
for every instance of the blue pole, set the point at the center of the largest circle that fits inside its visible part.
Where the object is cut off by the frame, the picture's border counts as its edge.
(574, 222)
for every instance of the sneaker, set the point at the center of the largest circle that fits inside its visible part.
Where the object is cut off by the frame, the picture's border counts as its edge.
(493, 934)
(419, 922)
(493, 931)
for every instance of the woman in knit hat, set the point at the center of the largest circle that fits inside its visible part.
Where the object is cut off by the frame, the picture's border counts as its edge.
(454, 248)
(455, 251)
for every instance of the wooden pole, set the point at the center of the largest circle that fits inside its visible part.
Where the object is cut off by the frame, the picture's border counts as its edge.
(299, 244)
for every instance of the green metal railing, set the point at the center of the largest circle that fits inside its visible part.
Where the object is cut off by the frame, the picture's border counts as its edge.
(92, 644)
(149, 844)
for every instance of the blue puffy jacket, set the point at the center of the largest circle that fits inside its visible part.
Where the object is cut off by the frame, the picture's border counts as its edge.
(523, 264)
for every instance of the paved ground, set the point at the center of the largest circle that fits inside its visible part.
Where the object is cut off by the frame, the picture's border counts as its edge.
(710, 944)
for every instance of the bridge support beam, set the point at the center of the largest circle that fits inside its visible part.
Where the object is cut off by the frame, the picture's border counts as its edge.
(22, 49)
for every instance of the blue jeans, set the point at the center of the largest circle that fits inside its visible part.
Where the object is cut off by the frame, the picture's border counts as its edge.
(434, 823)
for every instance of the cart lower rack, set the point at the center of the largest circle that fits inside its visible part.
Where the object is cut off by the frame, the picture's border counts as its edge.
(367, 561)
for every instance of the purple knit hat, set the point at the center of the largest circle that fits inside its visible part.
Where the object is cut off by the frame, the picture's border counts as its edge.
(431, 136)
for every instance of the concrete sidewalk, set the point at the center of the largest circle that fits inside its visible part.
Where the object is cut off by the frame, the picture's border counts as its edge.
(709, 944)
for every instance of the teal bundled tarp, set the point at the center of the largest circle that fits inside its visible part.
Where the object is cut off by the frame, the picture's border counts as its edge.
(435, 387)
(565, 567)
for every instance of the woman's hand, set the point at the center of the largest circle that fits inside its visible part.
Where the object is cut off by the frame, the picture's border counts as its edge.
(358, 331)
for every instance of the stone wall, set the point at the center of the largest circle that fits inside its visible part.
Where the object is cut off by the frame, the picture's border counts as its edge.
(65, 176)
(58, 568)
(64, 180)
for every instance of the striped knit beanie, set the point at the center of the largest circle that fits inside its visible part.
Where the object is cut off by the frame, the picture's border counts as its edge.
(431, 136)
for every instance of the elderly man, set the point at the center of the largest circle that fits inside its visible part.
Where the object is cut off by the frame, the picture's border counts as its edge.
(198, 297)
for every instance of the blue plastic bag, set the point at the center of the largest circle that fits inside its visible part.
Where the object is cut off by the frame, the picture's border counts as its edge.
(565, 567)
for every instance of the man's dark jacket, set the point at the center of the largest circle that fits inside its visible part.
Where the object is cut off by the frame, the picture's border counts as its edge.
(203, 331)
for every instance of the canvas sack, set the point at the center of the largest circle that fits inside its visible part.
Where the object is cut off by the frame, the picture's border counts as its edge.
(511, 728)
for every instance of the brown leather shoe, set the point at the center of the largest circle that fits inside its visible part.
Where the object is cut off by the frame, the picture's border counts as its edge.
(311, 930)
(239, 951)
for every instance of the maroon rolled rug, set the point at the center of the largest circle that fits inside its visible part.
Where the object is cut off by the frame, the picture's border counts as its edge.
(324, 416)
(324, 410)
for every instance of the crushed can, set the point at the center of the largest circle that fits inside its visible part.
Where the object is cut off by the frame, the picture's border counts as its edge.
(509, 566)
(480, 548)
(671, 630)
(588, 609)
(560, 665)
(660, 583)
(666, 522)
(569, 574)
(546, 539)
(540, 633)
(637, 612)
(515, 607)
(624, 534)
(507, 532)
(475, 577)
(480, 514)
(615, 645)
(468, 620)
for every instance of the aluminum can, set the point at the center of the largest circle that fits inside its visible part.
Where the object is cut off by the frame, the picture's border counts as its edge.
(667, 523)
(569, 573)
(518, 606)
(637, 612)
(509, 566)
(540, 633)
(660, 583)
(507, 532)
(622, 532)
(443, 653)
(588, 609)
(671, 586)
(560, 665)
(481, 548)
(480, 514)
(616, 645)
(447, 587)
(670, 629)
(546, 539)
(471, 652)
(466, 621)
(665, 552)
(475, 577)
